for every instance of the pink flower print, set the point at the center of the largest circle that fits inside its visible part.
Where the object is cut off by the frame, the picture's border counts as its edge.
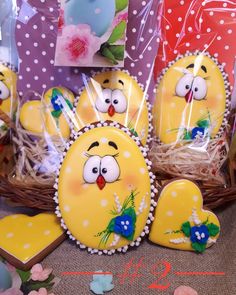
(77, 45)
(40, 274)
(41, 291)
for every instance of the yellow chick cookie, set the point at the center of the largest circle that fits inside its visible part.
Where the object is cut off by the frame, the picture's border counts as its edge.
(50, 115)
(8, 96)
(114, 95)
(192, 99)
(180, 221)
(105, 189)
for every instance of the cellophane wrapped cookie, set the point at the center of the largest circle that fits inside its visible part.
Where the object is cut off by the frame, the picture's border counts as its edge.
(8, 79)
(195, 78)
(85, 62)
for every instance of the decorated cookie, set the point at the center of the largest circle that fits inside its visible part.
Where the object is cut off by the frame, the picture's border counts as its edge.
(180, 221)
(25, 240)
(105, 189)
(98, 14)
(51, 114)
(115, 95)
(192, 99)
(7, 88)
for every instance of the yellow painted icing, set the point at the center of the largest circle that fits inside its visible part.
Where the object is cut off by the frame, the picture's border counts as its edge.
(24, 237)
(172, 113)
(86, 209)
(36, 116)
(133, 116)
(9, 79)
(177, 202)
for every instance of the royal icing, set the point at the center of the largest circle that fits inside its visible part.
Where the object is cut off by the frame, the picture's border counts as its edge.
(105, 188)
(23, 237)
(115, 95)
(50, 115)
(192, 99)
(180, 221)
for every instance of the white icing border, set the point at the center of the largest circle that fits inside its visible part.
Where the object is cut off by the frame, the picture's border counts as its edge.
(226, 84)
(74, 136)
(105, 70)
(9, 66)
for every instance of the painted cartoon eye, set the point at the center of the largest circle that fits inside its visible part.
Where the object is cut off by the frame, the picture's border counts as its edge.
(110, 169)
(92, 169)
(184, 85)
(4, 91)
(104, 100)
(199, 88)
(119, 101)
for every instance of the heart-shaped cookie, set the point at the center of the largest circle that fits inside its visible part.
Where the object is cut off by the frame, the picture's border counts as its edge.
(26, 240)
(51, 114)
(180, 220)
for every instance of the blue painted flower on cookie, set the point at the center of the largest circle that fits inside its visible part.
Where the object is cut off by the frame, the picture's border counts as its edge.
(98, 14)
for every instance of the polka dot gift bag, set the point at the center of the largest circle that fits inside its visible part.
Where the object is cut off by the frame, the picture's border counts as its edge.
(79, 64)
(194, 71)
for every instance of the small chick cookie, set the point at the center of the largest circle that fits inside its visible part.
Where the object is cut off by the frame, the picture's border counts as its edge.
(49, 115)
(105, 189)
(192, 99)
(24, 240)
(115, 95)
(180, 221)
(8, 94)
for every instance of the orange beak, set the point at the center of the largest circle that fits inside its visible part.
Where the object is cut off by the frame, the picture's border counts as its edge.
(111, 111)
(189, 96)
(101, 182)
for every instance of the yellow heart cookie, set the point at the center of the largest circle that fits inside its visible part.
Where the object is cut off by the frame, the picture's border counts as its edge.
(26, 240)
(180, 221)
(50, 114)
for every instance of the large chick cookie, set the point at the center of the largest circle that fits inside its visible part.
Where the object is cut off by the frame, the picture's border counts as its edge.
(105, 188)
(50, 115)
(192, 99)
(115, 95)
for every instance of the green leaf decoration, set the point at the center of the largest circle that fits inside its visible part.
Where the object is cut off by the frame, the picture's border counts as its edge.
(69, 104)
(131, 212)
(134, 132)
(118, 51)
(187, 135)
(121, 5)
(203, 123)
(24, 275)
(56, 114)
(117, 33)
(213, 229)
(111, 225)
(35, 286)
(56, 92)
(186, 228)
(200, 248)
(108, 54)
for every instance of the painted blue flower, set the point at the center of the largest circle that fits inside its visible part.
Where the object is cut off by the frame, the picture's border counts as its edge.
(56, 103)
(198, 131)
(124, 225)
(199, 234)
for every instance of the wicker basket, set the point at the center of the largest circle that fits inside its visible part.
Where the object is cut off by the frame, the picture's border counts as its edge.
(33, 195)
